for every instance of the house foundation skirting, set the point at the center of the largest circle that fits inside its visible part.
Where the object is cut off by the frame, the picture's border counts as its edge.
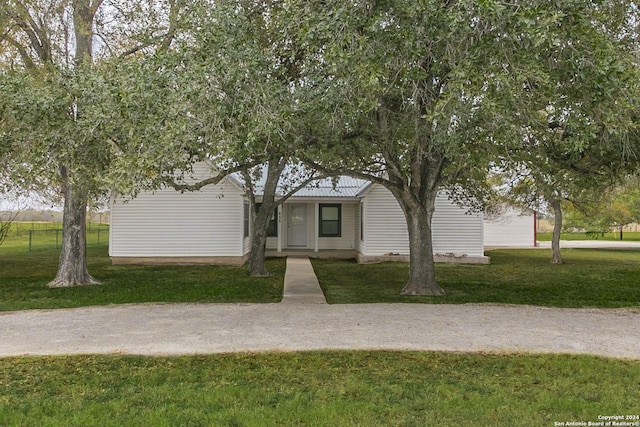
(441, 258)
(209, 260)
(328, 254)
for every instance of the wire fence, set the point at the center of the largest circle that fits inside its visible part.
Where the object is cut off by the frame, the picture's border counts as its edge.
(48, 235)
(23, 228)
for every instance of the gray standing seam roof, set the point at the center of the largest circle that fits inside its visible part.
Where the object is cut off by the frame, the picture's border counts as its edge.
(344, 187)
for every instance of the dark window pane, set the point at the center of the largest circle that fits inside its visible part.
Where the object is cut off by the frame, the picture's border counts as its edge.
(330, 220)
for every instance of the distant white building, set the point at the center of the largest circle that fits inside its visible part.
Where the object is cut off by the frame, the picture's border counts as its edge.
(513, 228)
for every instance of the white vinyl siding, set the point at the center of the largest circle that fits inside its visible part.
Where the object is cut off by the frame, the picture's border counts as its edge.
(385, 227)
(272, 242)
(455, 230)
(168, 223)
(512, 228)
(358, 225)
(246, 245)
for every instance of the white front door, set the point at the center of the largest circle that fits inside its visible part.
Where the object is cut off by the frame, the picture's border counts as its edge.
(297, 225)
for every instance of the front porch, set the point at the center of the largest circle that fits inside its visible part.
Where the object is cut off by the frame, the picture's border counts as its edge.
(321, 253)
(315, 228)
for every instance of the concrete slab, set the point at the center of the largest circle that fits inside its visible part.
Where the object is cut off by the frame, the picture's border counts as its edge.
(301, 285)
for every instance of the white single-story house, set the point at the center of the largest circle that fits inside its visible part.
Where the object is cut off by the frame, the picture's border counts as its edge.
(512, 228)
(354, 219)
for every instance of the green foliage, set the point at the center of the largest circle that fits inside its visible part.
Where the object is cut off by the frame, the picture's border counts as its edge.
(421, 96)
(71, 123)
(316, 388)
(615, 207)
(122, 122)
(585, 135)
(464, 80)
(432, 94)
(52, 120)
(589, 278)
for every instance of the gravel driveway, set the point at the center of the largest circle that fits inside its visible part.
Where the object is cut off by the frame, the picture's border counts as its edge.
(172, 329)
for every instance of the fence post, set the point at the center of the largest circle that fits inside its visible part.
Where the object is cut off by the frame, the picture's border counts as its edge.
(57, 238)
(30, 236)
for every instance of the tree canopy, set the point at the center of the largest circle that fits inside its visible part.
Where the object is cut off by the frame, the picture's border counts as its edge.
(429, 96)
(56, 89)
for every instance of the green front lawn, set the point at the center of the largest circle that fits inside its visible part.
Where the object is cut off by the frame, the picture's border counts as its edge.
(316, 389)
(589, 278)
(24, 275)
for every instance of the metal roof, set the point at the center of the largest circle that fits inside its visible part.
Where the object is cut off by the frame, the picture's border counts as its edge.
(342, 186)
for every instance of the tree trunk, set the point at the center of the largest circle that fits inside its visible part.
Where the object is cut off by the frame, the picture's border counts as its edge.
(83, 15)
(422, 272)
(257, 254)
(557, 228)
(72, 266)
(261, 216)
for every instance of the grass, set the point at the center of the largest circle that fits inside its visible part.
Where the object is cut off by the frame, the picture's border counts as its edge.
(24, 275)
(316, 389)
(626, 236)
(589, 278)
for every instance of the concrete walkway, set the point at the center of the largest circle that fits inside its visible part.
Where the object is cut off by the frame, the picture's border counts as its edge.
(303, 321)
(301, 285)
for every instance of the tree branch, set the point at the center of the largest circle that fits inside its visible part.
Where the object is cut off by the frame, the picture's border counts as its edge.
(299, 187)
(209, 181)
(249, 183)
(173, 26)
(95, 5)
(28, 62)
(348, 172)
(36, 35)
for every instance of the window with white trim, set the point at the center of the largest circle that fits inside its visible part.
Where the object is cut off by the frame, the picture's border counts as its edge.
(330, 220)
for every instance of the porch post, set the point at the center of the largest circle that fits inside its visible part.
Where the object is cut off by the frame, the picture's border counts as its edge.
(316, 227)
(279, 225)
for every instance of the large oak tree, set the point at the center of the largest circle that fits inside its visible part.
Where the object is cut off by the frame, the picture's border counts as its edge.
(55, 97)
(248, 80)
(426, 96)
